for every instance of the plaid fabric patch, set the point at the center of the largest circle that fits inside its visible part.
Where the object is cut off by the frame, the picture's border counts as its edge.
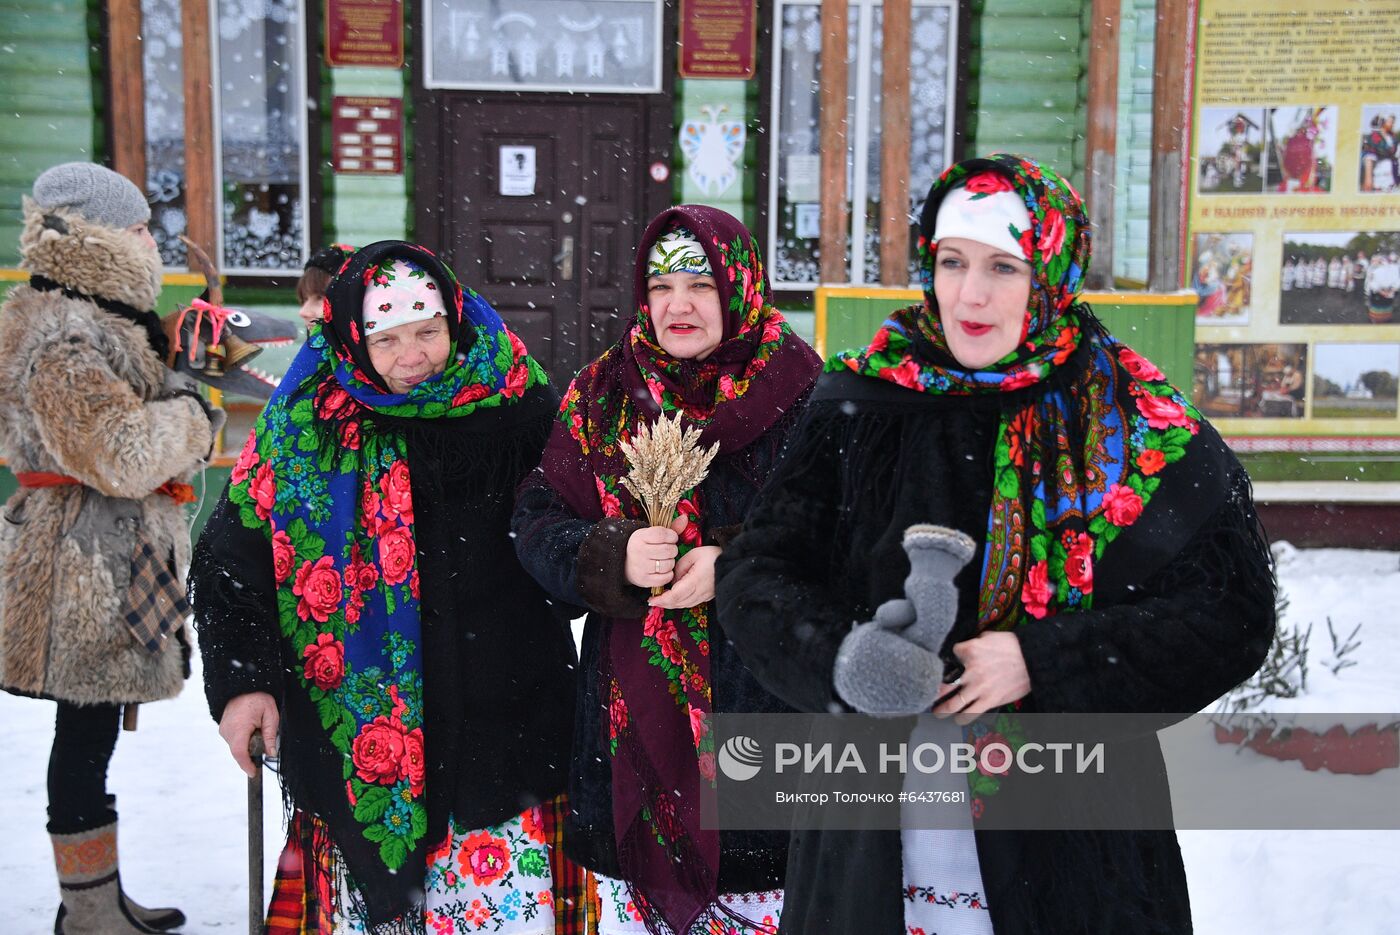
(155, 602)
(573, 911)
(286, 914)
(301, 894)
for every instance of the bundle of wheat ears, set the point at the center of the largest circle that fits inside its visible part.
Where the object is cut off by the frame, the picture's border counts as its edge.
(665, 460)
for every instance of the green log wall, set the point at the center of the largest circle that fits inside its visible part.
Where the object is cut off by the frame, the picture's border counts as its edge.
(49, 111)
(1027, 91)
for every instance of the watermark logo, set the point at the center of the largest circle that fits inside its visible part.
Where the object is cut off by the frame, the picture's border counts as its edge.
(1040, 772)
(740, 758)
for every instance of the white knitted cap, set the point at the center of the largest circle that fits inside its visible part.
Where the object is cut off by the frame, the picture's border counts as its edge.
(996, 219)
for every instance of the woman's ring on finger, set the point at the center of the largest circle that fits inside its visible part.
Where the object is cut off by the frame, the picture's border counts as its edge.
(656, 567)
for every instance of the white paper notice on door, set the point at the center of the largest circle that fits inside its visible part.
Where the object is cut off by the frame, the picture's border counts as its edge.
(804, 175)
(517, 170)
(808, 221)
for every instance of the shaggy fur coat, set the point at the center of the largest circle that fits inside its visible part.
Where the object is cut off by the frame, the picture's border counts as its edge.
(82, 394)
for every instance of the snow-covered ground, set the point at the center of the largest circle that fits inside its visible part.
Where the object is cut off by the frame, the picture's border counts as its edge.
(1305, 882)
(183, 802)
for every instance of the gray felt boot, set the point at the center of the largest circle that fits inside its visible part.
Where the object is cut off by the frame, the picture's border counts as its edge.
(90, 887)
(166, 918)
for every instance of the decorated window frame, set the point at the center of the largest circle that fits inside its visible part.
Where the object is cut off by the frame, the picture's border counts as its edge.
(794, 186)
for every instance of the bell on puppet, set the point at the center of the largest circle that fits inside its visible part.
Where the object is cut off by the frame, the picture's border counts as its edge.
(216, 344)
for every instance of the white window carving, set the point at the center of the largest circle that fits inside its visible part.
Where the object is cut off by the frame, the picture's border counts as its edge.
(597, 45)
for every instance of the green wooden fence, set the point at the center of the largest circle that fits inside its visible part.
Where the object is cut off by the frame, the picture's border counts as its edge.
(1160, 327)
(1027, 90)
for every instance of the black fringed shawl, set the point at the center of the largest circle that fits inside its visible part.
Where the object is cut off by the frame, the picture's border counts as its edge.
(498, 666)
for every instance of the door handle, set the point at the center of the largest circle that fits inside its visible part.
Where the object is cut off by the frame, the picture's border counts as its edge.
(565, 259)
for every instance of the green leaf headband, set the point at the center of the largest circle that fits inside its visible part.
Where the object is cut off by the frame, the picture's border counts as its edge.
(678, 251)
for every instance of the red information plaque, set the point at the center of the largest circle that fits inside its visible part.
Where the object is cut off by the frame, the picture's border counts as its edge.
(367, 135)
(364, 32)
(718, 38)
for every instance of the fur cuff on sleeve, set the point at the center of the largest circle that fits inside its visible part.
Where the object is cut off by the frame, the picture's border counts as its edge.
(724, 535)
(602, 580)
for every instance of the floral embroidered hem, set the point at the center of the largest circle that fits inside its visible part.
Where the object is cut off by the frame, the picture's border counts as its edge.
(499, 879)
(619, 914)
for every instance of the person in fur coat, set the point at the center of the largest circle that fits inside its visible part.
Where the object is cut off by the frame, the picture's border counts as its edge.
(104, 439)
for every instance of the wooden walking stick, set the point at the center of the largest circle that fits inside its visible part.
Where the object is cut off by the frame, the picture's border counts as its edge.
(256, 749)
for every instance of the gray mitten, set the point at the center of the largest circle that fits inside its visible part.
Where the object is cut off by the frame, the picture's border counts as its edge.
(879, 671)
(936, 555)
(182, 384)
(891, 665)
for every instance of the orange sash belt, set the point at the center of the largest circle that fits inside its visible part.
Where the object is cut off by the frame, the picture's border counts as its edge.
(180, 493)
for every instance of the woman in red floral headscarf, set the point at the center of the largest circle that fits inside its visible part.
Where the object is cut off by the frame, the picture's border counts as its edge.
(1102, 555)
(707, 344)
(358, 603)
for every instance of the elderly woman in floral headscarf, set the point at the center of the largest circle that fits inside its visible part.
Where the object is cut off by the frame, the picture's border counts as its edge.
(1103, 555)
(356, 588)
(708, 345)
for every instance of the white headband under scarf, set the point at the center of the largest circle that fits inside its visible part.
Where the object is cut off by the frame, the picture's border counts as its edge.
(987, 218)
(400, 293)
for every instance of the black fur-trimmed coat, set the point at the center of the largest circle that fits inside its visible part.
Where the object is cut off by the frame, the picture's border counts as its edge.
(498, 662)
(822, 549)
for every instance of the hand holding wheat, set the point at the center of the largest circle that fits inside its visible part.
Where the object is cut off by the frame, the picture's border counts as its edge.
(665, 461)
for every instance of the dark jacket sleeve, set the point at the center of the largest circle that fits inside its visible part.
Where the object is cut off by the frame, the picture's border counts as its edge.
(773, 588)
(577, 561)
(1202, 625)
(234, 595)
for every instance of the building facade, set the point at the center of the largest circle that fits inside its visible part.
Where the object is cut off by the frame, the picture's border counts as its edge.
(529, 140)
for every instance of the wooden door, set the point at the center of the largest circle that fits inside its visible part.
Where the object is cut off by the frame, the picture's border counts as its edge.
(557, 262)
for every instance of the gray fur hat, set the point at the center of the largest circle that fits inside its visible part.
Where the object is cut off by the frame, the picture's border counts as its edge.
(95, 192)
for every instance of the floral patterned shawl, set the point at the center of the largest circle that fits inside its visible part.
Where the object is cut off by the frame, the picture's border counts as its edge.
(335, 500)
(1077, 464)
(658, 685)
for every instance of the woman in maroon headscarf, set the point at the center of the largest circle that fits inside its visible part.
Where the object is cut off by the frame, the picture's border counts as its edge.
(707, 344)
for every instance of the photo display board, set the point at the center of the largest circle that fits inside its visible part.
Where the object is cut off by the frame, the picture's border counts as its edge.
(1293, 243)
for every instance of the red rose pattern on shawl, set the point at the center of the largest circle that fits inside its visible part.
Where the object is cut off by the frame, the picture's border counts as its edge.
(325, 662)
(372, 714)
